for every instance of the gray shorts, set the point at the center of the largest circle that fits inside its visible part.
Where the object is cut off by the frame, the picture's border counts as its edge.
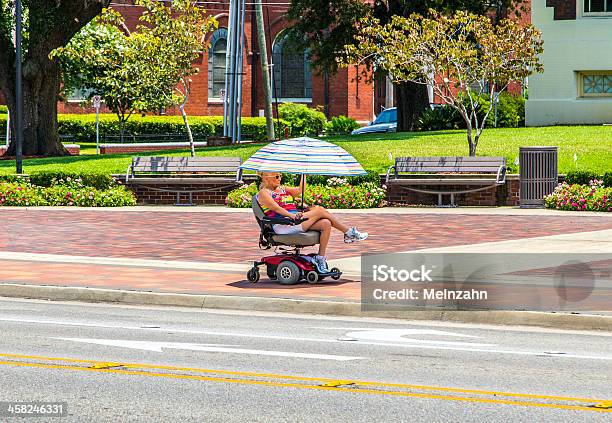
(287, 229)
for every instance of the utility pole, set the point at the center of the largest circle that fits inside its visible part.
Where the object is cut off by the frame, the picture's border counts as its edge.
(18, 92)
(232, 108)
(265, 70)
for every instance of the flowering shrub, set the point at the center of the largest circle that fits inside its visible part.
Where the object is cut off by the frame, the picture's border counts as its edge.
(341, 125)
(361, 196)
(241, 197)
(68, 192)
(592, 197)
(336, 182)
(20, 193)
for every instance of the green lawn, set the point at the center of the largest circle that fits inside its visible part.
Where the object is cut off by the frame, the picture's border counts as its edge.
(591, 144)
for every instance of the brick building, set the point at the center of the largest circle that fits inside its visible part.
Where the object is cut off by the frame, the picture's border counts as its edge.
(293, 79)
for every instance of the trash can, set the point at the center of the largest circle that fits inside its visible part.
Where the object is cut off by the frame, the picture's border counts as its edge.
(538, 174)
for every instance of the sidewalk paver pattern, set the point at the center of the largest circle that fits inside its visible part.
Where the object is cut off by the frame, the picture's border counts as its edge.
(230, 238)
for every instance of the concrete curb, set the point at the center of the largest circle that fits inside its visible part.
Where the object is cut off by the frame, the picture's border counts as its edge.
(337, 308)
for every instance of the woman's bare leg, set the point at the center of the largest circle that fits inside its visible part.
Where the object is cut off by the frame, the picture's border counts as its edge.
(324, 226)
(317, 213)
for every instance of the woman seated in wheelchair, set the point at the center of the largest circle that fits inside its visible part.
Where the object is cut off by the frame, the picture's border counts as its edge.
(277, 200)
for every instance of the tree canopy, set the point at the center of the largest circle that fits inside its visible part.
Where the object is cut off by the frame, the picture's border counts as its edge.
(47, 25)
(326, 26)
(139, 70)
(462, 56)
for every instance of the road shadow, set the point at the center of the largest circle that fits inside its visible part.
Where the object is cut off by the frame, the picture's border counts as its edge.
(265, 283)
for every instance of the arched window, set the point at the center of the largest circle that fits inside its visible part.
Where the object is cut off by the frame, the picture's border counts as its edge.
(216, 63)
(292, 75)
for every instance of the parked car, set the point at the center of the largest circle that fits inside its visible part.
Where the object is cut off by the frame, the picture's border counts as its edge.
(385, 122)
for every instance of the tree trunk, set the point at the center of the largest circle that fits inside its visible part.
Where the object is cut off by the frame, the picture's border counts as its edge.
(50, 24)
(188, 128)
(471, 141)
(411, 100)
(40, 95)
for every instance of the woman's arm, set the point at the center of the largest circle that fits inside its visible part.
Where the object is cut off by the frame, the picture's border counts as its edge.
(296, 192)
(265, 199)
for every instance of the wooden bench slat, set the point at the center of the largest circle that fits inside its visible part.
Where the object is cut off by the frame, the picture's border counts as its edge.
(191, 165)
(185, 169)
(453, 181)
(216, 163)
(185, 180)
(449, 164)
(431, 162)
(489, 169)
(453, 158)
(186, 159)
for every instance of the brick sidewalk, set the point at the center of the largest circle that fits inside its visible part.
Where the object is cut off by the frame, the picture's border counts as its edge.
(229, 238)
(232, 237)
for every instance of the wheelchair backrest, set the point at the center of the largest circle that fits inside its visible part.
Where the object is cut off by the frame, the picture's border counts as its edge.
(258, 211)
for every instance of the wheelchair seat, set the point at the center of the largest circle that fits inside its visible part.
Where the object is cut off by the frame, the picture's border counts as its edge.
(269, 238)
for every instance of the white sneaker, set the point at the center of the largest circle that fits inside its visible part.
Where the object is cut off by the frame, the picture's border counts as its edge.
(321, 264)
(353, 235)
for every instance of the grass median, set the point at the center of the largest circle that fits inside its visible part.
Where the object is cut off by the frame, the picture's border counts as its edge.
(591, 145)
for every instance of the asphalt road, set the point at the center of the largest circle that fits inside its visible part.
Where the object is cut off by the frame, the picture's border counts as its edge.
(123, 364)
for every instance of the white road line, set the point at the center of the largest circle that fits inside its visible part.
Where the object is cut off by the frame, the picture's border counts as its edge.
(331, 341)
(401, 336)
(159, 346)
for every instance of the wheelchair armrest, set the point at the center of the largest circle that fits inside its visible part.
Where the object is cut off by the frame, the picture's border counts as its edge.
(282, 220)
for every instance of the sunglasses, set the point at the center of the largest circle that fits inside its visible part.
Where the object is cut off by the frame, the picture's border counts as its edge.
(274, 176)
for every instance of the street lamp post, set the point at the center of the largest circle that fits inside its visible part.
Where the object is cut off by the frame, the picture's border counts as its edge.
(18, 91)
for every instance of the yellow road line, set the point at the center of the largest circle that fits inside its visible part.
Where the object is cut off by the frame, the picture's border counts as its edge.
(311, 379)
(303, 386)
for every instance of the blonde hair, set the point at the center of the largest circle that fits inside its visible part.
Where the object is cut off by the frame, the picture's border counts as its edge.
(261, 182)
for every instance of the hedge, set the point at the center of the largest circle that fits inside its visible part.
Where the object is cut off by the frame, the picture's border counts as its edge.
(584, 177)
(83, 126)
(510, 114)
(99, 181)
(304, 120)
(578, 197)
(345, 196)
(63, 189)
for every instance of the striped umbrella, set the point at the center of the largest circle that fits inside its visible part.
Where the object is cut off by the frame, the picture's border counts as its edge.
(305, 156)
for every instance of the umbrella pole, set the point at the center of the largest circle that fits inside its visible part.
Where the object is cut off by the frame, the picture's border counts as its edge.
(303, 186)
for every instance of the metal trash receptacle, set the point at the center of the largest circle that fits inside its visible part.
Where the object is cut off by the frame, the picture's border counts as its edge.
(538, 174)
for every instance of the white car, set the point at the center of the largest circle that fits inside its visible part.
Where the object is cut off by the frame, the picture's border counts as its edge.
(385, 122)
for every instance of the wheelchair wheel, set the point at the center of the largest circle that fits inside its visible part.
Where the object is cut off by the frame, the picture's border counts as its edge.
(288, 273)
(253, 275)
(312, 277)
(335, 270)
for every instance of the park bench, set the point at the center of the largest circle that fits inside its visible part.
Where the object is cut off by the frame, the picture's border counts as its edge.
(470, 174)
(177, 174)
